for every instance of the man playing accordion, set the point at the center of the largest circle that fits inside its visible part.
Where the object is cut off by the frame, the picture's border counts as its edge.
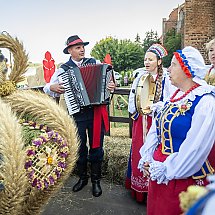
(91, 120)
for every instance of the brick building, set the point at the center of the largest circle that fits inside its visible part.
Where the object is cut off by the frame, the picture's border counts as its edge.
(195, 20)
(175, 20)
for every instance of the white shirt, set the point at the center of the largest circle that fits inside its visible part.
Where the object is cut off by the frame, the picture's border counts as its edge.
(54, 80)
(168, 90)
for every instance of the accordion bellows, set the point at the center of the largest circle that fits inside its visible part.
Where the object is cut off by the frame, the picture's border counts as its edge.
(86, 86)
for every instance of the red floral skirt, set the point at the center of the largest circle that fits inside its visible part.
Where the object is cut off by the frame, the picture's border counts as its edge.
(137, 183)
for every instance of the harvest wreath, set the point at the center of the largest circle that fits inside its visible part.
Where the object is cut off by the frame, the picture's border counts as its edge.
(46, 156)
(43, 155)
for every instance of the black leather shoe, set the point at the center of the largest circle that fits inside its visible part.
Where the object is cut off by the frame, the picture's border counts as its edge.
(80, 184)
(97, 190)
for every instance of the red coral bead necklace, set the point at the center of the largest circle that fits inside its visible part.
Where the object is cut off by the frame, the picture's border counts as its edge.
(172, 99)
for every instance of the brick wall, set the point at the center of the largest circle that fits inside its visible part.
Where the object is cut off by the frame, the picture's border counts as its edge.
(199, 24)
(171, 22)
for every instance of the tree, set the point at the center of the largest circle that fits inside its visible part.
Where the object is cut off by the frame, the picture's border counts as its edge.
(125, 54)
(151, 38)
(172, 42)
(137, 39)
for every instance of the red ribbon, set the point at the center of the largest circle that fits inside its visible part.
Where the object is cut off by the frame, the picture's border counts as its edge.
(100, 115)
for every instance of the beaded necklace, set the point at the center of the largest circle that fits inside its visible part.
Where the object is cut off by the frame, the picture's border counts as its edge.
(172, 99)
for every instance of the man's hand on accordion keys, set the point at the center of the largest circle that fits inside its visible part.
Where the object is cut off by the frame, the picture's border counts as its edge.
(57, 88)
(111, 86)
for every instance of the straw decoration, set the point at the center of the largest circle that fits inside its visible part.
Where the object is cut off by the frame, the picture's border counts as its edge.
(20, 57)
(13, 160)
(47, 112)
(3, 68)
(33, 165)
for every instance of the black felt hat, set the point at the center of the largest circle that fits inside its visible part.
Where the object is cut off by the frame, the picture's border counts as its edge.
(73, 40)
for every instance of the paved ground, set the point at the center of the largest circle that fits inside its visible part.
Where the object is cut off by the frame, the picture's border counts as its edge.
(115, 200)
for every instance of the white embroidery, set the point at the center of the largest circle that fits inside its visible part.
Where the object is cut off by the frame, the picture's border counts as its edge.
(199, 182)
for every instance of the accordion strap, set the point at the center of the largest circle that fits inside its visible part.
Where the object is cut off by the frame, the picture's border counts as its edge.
(70, 64)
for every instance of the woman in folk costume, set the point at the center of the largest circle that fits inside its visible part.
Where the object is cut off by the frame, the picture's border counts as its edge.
(210, 79)
(210, 76)
(141, 124)
(181, 137)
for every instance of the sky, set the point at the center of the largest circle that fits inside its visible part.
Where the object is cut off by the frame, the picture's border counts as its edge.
(45, 25)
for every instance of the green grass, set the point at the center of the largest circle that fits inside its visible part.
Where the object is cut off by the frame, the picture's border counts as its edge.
(119, 107)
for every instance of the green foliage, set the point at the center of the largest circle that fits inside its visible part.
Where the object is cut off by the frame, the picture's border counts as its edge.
(121, 105)
(172, 42)
(151, 38)
(129, 74)
(125, 54)
(30, 134)
(137, 39)
(128, 56)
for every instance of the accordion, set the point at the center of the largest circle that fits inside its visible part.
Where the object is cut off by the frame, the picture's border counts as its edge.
(86, 85)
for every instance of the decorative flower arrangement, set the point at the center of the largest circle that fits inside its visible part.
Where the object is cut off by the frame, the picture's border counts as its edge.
(46, 156)
(17, 143)
(189, 197)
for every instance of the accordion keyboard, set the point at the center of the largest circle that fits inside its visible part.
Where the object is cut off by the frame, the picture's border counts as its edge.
(72, 105)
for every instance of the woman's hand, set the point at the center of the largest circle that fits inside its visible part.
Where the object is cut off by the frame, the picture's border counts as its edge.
(57, 88)
(146, 169)
(148, 107)
(111, 86)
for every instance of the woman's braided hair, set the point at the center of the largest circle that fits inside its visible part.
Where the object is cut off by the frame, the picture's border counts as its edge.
(160, 52)
(158, 82)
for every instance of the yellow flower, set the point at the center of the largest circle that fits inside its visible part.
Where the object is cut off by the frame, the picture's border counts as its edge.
(189, 197)
(47, 159)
